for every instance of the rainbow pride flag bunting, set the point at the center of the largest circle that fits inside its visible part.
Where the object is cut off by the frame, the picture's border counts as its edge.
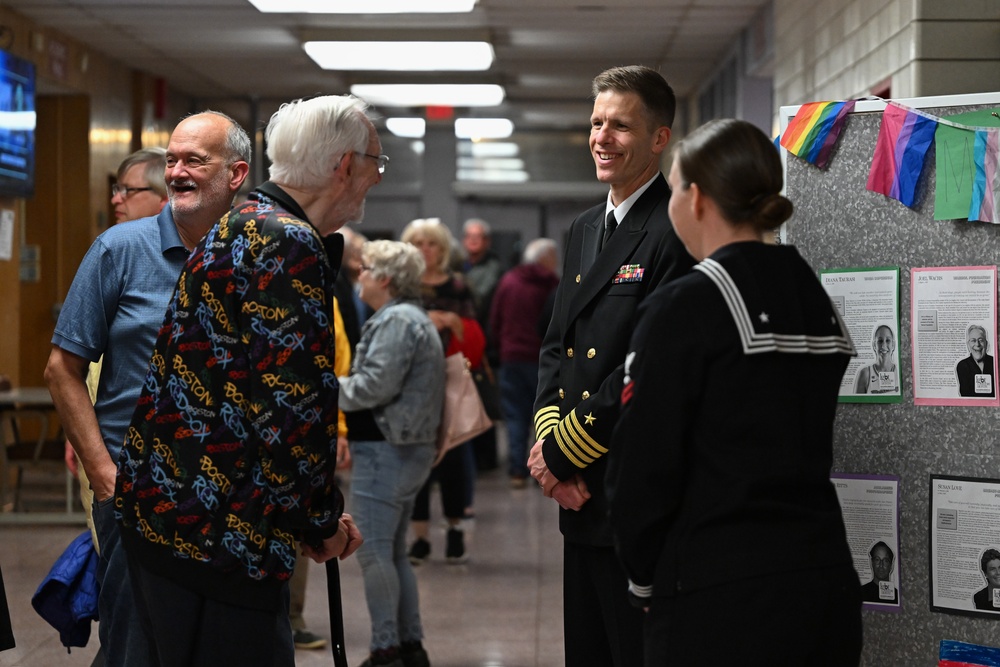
(813, 132)
(903, 139)
(985, 205)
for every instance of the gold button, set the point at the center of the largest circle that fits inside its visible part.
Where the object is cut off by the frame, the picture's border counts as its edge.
(591, 353)
(586, 395)
(578, 277)
(562, 394)
(569, 352)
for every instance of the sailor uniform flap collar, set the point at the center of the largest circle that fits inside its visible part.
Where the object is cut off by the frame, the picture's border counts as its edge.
(771, 294)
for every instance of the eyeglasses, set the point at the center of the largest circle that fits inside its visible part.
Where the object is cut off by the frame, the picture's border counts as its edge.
(124, 191)
(383, 161)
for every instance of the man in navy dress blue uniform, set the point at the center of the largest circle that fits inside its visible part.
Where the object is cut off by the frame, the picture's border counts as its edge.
(616, 254)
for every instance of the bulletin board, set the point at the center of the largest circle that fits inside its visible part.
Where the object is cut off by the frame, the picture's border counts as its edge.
(839, 223)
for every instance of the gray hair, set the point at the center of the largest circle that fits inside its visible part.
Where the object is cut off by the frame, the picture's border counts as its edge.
(436, 231)
(307, 138)
(968, 332)
(155, 160)
(238, 146)
(400, 262)
(537, 249)
(981, 328)
(477, 222)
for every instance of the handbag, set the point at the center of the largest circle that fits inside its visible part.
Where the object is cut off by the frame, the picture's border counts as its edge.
(463, 416)
(489, 392)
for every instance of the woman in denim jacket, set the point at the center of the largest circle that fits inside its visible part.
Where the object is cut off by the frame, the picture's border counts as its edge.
(396, 386)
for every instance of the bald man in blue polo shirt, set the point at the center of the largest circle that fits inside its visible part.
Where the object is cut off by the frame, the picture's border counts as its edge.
(114, 308)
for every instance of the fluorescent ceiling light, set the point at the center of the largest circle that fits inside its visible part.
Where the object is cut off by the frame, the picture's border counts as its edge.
(364, 6)
(491, 163)
(402, 56)
(491, 175)
(483, 128)
(488, 148)
(409, 128)
(429, 94)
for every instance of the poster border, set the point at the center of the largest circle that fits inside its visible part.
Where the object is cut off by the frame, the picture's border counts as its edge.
(965, 401)
(872, 606)
(932, 477)
(888, 398)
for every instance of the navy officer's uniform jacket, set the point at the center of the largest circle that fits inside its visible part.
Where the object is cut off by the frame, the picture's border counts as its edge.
(583, 353)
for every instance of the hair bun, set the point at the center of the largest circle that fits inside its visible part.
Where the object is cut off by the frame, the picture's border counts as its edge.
(769, 211)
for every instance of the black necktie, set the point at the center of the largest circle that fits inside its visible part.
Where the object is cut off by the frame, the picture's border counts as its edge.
(609, 228)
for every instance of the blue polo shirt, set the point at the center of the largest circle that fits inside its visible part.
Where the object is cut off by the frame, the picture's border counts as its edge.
(115, 307)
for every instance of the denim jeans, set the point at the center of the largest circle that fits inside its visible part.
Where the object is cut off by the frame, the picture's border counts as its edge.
(518, 384)
(123, 641)
(384, 481)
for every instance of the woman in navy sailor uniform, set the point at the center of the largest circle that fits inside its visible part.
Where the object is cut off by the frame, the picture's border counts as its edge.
(721, 503)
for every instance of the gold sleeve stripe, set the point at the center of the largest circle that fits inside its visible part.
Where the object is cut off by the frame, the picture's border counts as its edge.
(572, 443)
(587, 443)
(545, 427)
(561, 438)
(550, 411)
(546, 419)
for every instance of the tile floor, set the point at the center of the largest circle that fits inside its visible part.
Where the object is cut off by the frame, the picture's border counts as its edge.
(501, 609)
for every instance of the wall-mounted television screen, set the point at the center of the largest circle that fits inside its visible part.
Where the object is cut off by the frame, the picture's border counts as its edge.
(17, 126)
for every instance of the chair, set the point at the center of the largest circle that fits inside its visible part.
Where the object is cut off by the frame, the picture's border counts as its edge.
(26, 451)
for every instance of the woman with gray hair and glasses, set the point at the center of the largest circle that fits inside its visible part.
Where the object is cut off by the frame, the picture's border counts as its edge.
(396, 386)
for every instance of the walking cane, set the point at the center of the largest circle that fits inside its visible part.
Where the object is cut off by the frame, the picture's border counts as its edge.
(336, 613)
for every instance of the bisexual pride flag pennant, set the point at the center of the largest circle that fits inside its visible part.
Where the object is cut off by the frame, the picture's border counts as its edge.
(903, 139)
(985, 205)
(813, 132)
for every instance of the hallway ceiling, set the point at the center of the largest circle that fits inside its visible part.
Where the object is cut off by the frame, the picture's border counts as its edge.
(547, 51)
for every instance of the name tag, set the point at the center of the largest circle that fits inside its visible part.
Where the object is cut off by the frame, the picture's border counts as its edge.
(984, 383)
(885, 591)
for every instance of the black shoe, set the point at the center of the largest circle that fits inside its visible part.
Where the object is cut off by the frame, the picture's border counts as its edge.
(455, 549)
(394, 663)
(414, 657)
(307, 640)
(384, 658)
(419, 551)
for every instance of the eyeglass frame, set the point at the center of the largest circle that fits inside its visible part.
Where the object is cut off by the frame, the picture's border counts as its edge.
(381, 160)
(124, 191)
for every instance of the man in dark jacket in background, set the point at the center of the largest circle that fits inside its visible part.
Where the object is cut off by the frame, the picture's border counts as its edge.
(517, 304)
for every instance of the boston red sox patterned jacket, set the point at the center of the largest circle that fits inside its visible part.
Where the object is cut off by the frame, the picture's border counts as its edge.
(231, 451)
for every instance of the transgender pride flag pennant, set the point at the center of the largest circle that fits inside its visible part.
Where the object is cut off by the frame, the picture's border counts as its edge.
(986, 186)
(903, 140)
(813, 132)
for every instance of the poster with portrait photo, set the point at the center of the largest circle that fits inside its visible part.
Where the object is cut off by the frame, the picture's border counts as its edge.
(954, 334)
(870, 506)
(965, 545)
(868, 302)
